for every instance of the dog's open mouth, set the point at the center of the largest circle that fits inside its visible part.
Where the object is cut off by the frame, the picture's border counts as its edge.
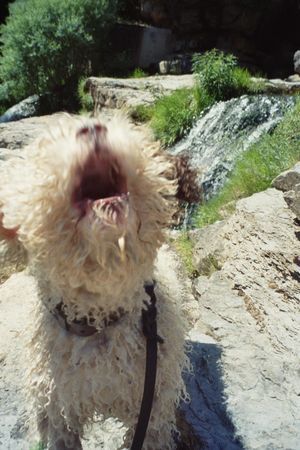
(101, 190)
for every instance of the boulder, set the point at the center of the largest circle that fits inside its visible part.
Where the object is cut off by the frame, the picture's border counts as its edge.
(177, 65)
(297, 61)
(293, 200)
(15, 135)
(294, 78)
(287, 180)
(289, 183)
(26, 108)
(121, 93)
(277, 86)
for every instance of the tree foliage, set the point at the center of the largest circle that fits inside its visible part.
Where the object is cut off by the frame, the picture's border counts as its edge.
(47, 45)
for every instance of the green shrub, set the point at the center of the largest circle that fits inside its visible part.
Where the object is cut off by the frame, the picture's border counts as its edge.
(142, 113)
(173, 115)
(218, 77)
(184, 247)
(138, 73)
(256, 168)
(47, 45)
(85, 98)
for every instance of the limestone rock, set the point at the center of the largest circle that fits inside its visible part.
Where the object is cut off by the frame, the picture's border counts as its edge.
(289, 183)
(278, 86)
(297, 61)
(15, 135)
(293, 200)
(250, 308)
(287, 180)
(119, 93)
(24, 109)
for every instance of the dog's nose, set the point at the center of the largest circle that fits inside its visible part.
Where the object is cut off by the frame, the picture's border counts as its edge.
(92, 132)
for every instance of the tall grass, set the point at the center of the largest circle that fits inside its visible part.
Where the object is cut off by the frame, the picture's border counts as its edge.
(256, 168)
(85, 99)
(217, 77)
(173, 115)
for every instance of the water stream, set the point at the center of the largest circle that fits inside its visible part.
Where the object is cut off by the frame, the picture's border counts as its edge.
(226, 130)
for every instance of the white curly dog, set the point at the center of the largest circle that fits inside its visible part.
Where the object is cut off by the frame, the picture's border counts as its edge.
(89, 203)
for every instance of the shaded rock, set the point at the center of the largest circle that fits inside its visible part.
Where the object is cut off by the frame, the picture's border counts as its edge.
(287, 180)
(209, 424)
(119, 92)
(293, 200)
(26, 108)
(177, 65)
(297, 61)
(278, 86)
(244, 28)
(170, 67)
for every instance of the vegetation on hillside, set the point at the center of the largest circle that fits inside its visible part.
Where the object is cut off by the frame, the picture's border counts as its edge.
(256, 168)
(173, 115)
(217, 77)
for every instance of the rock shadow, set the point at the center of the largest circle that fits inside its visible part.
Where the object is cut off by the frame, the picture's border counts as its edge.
(205, 420)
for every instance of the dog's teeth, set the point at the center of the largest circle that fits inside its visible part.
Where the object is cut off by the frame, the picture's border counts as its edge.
(121, 244)
(116, 168)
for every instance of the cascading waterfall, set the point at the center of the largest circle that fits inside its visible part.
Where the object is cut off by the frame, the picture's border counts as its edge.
(226, 130)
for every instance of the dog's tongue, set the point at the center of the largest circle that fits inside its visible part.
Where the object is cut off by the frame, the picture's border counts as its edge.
(112, 211)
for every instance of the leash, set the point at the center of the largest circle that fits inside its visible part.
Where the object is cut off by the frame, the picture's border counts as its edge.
(150, 332)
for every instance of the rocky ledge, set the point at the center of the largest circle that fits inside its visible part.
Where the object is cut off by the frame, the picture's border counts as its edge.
(117, 93)
(120, 92)
(246, 333)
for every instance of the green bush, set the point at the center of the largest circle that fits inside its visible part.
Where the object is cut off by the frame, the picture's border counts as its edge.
(138, 73)
(47, 45)
(256, 168)
(173, 115)
(142, 113)
(85, 98)
(218, 77)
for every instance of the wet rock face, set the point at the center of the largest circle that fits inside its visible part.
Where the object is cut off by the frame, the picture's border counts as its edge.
(225, 131)
(263, 35)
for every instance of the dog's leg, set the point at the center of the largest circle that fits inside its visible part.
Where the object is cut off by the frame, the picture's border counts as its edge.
(63, 440)
(58, 437)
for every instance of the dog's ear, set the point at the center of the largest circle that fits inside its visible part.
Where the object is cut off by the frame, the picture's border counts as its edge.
(6, 233)
(189, 189)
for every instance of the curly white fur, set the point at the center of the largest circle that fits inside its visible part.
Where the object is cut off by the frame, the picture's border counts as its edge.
(95, 264)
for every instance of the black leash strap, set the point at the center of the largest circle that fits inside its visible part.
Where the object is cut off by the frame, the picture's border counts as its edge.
(150, 332)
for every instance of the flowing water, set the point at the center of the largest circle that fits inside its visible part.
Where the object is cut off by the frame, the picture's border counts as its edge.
(225, 131)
